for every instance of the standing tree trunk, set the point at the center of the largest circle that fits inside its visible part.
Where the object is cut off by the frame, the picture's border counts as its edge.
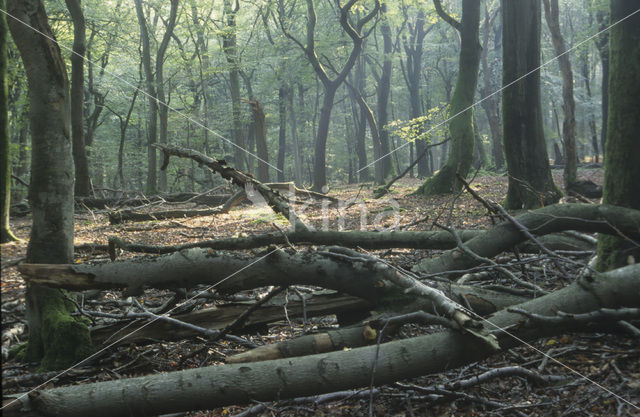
(552, 13)
(530, 181)
(5, 170)
(261, 141)
(83, 183)
(622, 170)
(383, 90)
(592, 120)
(602, 43)
(230, 48)
(360, 120)
(152, 133)
(163, 109)
(461, 125)
(282, 131)
(413, 52)
(294, 138)
(491, 101)
(54, 335)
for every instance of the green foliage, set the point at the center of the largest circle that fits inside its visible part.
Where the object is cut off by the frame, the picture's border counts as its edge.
(429, 128)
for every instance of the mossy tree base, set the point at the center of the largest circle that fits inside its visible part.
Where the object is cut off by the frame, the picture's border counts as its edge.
(444, 182)
(61, 340)
(6, 235)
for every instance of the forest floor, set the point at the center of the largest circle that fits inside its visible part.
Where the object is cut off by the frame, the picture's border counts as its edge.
(611, 361)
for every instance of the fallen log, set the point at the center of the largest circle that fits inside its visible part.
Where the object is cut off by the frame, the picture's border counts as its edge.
(105, 203)
(219, 317)
(590, 218)
(216, 386)
(117, 217)
(230, 273)
(351, 239)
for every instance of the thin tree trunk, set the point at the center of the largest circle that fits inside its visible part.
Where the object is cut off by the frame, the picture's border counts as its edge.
(230, 49)
(83, 183)
(602, 43)
(163, 110)
(552, 13)
(383, 90)
(282, 131)
(5, 163)
(152, 130)
(294, 138)
(261, 140)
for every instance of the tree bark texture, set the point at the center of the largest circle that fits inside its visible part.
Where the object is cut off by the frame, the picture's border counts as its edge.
(54, 336)
(461, 125)
(622, 170)
(530, 181)
(216, 386)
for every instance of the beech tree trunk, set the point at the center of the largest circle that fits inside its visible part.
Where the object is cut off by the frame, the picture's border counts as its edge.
(55, 337)
(230, 48)
(163, 109)
(152, 128)
(622, 170)
(383, 91)
(461, 125)
(552, 15)
(83, 182)
(530, 181)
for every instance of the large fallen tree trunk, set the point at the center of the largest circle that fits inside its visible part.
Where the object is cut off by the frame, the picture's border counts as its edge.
(217, 386)
(352, 239)
(188, 268)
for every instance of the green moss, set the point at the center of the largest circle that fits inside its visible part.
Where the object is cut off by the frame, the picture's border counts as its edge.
(18, 351)
(63, 340)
